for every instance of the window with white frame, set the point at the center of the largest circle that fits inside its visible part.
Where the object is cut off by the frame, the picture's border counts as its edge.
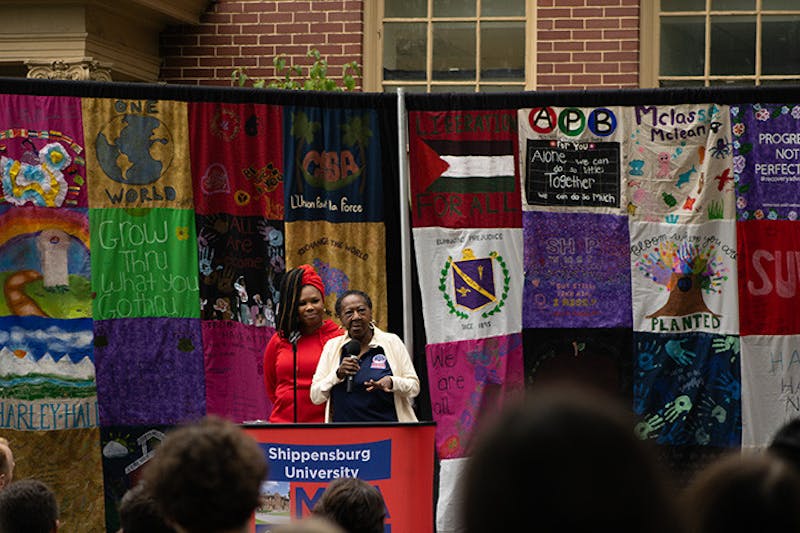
(450, 45)
(721, 42)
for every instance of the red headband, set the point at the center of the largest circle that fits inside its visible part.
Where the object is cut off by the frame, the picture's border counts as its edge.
(310, 277)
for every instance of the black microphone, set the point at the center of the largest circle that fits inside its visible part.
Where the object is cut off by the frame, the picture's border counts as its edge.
(294, 337)
(351, 349)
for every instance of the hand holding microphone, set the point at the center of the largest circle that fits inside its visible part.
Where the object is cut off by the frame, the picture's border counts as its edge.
(350, 365)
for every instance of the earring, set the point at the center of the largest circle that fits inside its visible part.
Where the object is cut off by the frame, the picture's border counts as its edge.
(371, 324)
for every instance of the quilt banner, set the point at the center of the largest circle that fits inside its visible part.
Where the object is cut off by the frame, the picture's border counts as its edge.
(234, 370)
(397, 459)
(687, 388)
(44, 262)
(137, 153)
(684, 277)
(332, 159)
(600, 358)
(126, 451)
(346, 256)
(770, 386)
(469, 383)
(463, 169)
(68, 461)
(146, 262)
(768, 276)
(237, 158)
(577, 270)
(679, 163)
(47, 374)
(571, 158)
(43, 158)
(766, 161)
(149, 370)
(240, 260)
(474, 286)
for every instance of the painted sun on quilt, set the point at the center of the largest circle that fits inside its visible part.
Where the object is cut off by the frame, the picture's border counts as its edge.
(686, 271)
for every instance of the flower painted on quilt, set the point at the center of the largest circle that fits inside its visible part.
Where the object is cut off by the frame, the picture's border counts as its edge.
(792, 215)
(182, 233)
(772, 215)
(739, 163)
(758, 214)
(762, 114)
(741, 202)
(738, 129)
(796, 112)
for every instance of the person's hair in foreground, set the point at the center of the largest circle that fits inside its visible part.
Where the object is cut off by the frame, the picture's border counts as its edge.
(6, 463)
(565, 460)
(311, 524)
(206, 476)
(138, 513)
(744, 493)
(786, 443)
(353, 504)
(28, 506)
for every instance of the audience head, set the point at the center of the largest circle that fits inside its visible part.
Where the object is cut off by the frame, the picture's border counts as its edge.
(28, 506)
(206, 477)
(6, 463)
(565, 460)
(353, 504)
(744, 493)
(138, 513)
(310, 524)
(786, 443)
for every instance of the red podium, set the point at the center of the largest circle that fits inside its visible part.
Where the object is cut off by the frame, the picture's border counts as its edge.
(397, 458)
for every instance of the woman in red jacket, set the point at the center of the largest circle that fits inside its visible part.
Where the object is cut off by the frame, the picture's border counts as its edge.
(301, 325)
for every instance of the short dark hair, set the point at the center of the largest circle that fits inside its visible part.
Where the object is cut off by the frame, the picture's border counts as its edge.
(565, 459)
(28, 506)
(338, 307)
(353, 504)
(786, 443)
(139, 513)
(207, 476)
(744, 493)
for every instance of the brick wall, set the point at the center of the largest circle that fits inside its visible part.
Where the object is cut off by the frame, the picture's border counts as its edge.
(586, 44)
(250, 33)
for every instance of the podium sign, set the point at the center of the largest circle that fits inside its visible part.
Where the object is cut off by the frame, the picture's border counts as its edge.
(397, 459)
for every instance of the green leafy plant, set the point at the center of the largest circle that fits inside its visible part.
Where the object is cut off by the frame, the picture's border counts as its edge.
(293, 77)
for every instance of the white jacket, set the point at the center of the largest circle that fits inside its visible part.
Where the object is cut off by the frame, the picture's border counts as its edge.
(405, 383)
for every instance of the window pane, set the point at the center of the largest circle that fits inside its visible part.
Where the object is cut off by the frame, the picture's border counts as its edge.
(503, 8)
(503, 51)
(779, 4)
(452, 89)
(453, 8)
(405, 8)
(407, 88)
(732, 5)
(454, 51)
(683, 5)
(502, 88)
(780, 45)
(404, 51)
(733, 44)
(681, 83)
(682, 46)
(793, 81)
(732, 83)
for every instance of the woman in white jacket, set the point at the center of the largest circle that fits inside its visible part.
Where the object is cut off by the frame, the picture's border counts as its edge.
(384, 379)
